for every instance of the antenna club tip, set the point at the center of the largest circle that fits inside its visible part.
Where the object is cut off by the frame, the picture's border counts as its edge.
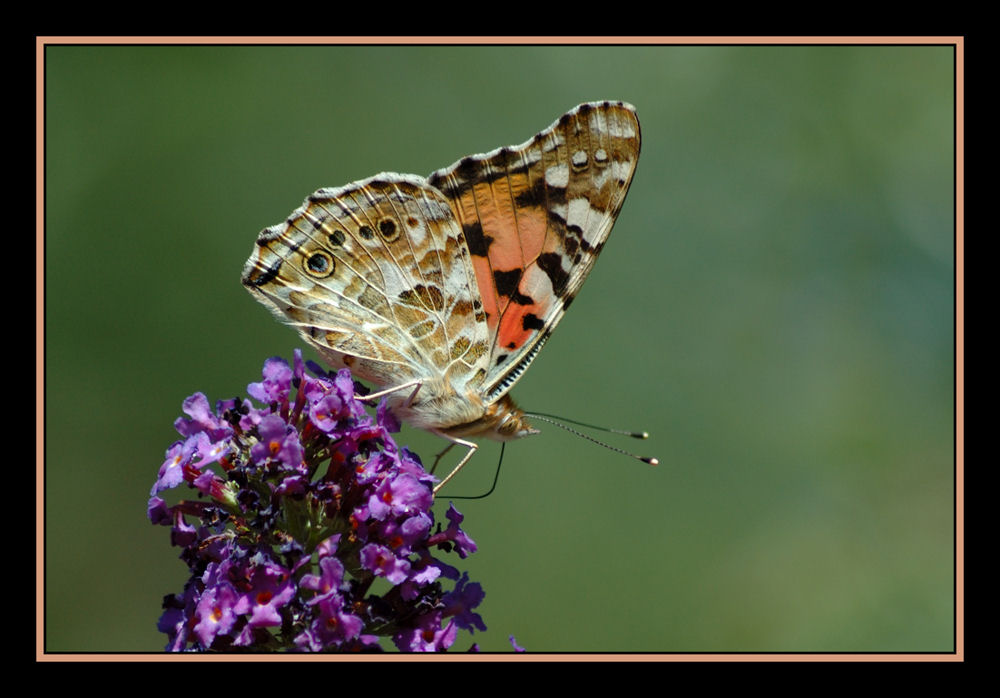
(652, 461)
(642, 435)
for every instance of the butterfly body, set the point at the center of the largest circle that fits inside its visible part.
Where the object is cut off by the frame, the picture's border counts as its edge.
(441, 291)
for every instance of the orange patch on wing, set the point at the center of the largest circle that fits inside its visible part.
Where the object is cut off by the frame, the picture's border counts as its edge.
(532, 224)
(517, 238)
(487, 291)
(515, 241)
(512, 334)
(496, 214)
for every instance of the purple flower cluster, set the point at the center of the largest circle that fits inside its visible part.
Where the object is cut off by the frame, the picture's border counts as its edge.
(304, 504)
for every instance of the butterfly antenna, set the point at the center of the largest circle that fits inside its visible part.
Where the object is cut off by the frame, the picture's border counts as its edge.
(551, 419)
(496, 477)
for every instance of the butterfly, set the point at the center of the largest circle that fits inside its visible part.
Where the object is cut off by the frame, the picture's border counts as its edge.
(441, 291)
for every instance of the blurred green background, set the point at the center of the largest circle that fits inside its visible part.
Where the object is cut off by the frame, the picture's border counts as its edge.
(775, 306)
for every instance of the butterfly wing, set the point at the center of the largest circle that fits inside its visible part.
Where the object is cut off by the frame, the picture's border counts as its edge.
(535, 217)
(376, 277)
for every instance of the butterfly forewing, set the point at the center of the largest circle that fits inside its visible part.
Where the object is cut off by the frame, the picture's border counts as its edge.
(535, 217)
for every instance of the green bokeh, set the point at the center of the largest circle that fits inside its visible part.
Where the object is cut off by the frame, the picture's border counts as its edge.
(775, 306)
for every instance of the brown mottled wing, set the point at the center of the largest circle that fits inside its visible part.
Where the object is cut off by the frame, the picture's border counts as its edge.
(535, 217)
(375, 275)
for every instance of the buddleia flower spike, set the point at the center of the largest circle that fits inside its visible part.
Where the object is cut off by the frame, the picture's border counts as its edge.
(303, 504)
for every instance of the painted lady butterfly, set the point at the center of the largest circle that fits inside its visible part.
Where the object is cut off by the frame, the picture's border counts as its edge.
(442, 290)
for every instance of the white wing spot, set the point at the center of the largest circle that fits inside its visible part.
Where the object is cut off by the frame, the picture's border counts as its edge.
(557, 176)
(418, 235)
(619, 128)
(579, 211)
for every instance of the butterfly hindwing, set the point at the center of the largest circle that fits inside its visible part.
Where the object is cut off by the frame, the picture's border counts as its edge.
(535, 217)
(377, 277)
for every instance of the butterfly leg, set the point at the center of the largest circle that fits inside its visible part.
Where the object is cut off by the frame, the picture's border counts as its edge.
(404, 386)
(437, 459)
(461, 442)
